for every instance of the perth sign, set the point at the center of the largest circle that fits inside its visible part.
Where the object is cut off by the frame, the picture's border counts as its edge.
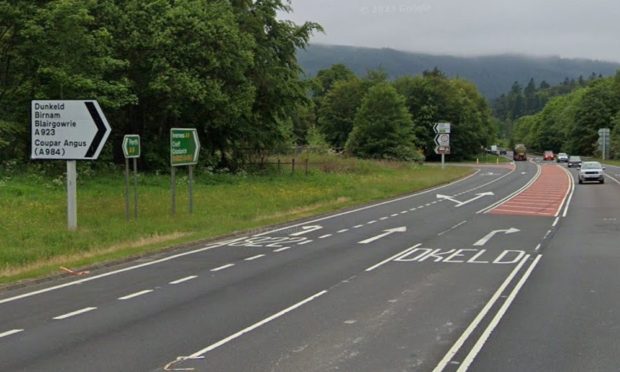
(68, 130)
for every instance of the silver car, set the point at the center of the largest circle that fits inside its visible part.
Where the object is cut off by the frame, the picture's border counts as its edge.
(591, 171)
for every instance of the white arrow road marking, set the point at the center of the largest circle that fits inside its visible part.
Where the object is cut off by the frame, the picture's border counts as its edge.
(461, 203)
(11, 332)
(386, 233)
(307, 229)
(490, 235)
(439, 196)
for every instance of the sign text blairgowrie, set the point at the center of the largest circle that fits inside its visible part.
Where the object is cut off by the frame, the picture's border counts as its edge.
(68, 130)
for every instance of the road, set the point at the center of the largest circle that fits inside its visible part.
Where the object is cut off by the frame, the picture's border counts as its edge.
(512, 268)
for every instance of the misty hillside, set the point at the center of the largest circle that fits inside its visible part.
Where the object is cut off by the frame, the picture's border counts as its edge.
(494, 75)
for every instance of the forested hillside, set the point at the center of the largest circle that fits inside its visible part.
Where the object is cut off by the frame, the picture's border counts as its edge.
(570, 122)
(493, 75)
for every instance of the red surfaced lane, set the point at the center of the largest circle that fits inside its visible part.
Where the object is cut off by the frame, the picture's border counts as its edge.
(544, 197)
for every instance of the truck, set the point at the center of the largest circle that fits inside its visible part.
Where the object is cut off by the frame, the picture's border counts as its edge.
(520, 153)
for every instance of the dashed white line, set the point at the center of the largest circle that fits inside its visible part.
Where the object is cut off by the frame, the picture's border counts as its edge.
(428, 204)
(342, 231)
(413, 209)
(281, 249)
(394, 215)
(420, 207)
(538, 247)
(179, 281)
(325, 236)
(74, 313)
(556, 221)
(129, 296)
(383, 218)
(404, 212)
(547, 234)
(305, 242)
(371, 222)
(254, 257)
(11, 332)
(358, 226)
(223, 267)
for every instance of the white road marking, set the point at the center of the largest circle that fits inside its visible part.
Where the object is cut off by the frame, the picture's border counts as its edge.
(612, 178)
(223, 267)
(254, 257)
(413, 209)
(474, 324)
(342, 231)
(56, 287)
(281, 249)
(538, 247)
(428, 204)
(384, 234)
(325, 236)
(452, 228)
(572, 192)
(490, 235)
(394, 215)
(307, 229)
(255, 325)
(74, 313)
(179, 281)
(371, 222)
(557, 219)
(383, 218)
(358, 226)
(497, 318)
(393, 257)
(404, 212)
(514, 194)
(130, 296)
(305, 242)
(547, 234)
(11, 332)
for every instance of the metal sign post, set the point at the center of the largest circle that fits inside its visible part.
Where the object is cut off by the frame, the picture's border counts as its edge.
(184, 150)
(68, 130)
(131, 150)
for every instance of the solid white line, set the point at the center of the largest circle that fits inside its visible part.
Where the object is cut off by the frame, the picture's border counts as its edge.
(514, 194)
(325, 236)
(78, 312)
(11, 332)
(254, 257)
(393, 257)
(281, 249)
(567, 193)
(497, 318)
(342, 231)
(474, 324)
(45, 290)
(555, 222)
(223, 267)
(179, 281)
(612, 178)
(255, 325)
(570, 198)
(135, 294)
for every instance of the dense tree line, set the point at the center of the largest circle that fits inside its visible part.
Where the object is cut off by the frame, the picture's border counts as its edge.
(570, 123)
(226, 67)
(372, 117)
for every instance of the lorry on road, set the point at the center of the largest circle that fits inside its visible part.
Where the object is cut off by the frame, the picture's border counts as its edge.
(520, 153)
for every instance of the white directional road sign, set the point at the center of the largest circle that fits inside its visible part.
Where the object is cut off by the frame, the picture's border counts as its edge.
(68, 130)
(442, 140)
(442, 128)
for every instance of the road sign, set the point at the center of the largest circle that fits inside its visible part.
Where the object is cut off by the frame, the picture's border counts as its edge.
(603, 132)
(442, 140)
(184, 146)
(131, 146)
(68, 130)
(442, 128)
(442, 150)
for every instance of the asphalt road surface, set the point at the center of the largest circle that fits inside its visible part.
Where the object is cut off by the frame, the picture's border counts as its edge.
(514, 268)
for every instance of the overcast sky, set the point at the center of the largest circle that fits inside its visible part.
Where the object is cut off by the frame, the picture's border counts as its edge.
(567, 28)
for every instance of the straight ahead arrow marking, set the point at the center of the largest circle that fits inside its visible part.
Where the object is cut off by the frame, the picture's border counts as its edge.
(386, 233)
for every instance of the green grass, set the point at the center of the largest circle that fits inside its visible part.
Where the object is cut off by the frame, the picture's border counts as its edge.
(35, 241)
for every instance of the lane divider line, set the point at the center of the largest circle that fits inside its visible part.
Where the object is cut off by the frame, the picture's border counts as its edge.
(305, 242)
(325, 236)
(137, 294)
(223, 267)
(179, 281)
(74, 313)
(474, 324)
(11, 332)
(281, 249)
(393, 257)
(226, 340)
(358, 226)
(497, 318)
(342, 231)
(254, 257)
(394, 215)
(383, 218)
(371, 222)
(572, 192)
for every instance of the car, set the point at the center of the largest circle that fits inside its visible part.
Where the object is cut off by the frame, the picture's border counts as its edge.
(562, 157)
(548, 155)
(591, 171)
(573, 161)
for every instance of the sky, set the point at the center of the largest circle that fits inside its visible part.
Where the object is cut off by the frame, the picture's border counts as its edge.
(566, 28)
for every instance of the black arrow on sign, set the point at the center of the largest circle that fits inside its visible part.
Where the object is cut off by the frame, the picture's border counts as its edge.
(101, 129)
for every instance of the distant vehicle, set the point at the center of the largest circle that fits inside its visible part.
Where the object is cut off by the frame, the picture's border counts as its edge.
(548, 155)
(562, 158)
(502, 151)
(591, 171)
(573, 161)
(520, 153)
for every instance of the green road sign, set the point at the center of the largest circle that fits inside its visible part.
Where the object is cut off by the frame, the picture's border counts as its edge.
(184, 146)
(131, 146)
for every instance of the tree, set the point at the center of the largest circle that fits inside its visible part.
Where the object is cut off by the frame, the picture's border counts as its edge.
(338, 110)
(383, 126)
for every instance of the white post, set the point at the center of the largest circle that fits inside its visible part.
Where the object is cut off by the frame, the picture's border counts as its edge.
(443, 160)
(71, 195)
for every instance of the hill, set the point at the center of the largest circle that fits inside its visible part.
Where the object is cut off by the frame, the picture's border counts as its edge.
(493, 74)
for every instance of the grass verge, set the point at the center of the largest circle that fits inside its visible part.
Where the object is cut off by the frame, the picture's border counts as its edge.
(35, 241)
